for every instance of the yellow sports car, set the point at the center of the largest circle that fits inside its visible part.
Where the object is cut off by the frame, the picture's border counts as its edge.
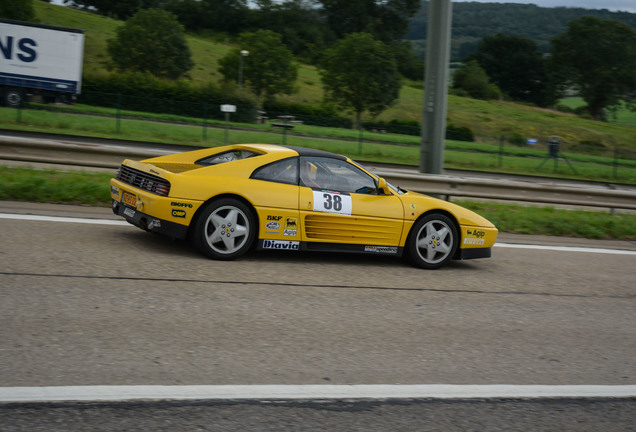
(229, 199)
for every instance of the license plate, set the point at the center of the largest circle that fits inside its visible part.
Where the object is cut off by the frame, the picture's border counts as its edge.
(129, 212)
(129, 199)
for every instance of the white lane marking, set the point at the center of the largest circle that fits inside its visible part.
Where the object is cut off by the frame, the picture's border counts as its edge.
(62, 219)
(124, 223)
(268, 392)
(566, 249)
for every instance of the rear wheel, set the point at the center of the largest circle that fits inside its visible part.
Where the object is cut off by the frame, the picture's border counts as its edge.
(225, 229)
(433, 241)
(13, 97)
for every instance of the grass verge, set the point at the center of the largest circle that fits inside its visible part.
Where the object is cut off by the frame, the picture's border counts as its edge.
(54, 186)
(375, 147)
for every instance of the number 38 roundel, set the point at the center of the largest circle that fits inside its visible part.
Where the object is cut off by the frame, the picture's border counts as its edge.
(332, 202)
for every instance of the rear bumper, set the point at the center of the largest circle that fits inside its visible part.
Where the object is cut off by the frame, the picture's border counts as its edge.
(149, 223)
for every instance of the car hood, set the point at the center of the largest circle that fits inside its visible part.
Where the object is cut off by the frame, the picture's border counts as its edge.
(417, 203)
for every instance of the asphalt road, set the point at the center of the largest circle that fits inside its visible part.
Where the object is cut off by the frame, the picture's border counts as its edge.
(84, 304)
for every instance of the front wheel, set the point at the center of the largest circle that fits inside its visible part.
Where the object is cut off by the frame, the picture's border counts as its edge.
(225, 229)
(433, 241)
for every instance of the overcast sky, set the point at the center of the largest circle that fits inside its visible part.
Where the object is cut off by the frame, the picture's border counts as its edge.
(613, 5)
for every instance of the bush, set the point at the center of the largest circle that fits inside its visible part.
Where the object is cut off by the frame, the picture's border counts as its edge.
(403, 127)
(564, 108)
(472, 79)
(322, 115)
(143, 92)
(459, 133)
(517, 139)
(589, 147)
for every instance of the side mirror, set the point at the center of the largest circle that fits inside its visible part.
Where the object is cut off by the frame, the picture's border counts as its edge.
(383, 187)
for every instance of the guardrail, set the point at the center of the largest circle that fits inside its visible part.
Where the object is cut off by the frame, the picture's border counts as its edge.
(70, 152)
(111, 156)
(511, 190)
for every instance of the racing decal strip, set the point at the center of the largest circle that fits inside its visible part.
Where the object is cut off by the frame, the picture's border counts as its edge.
(308, 392)
(501, 245)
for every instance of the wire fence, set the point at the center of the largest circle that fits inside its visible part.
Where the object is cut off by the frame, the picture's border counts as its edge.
(214, 123)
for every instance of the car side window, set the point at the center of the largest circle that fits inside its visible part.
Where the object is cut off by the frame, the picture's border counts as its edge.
(283, 171)
(334, 174)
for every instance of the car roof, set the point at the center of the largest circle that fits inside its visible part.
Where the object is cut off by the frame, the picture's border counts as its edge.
(302, 151)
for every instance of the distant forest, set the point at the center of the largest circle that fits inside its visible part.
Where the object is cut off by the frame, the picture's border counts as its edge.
(472, 21)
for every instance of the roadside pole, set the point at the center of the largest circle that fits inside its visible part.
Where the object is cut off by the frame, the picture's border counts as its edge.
(435, 87)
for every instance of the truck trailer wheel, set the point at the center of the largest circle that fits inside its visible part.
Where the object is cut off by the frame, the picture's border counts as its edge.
(13, 97)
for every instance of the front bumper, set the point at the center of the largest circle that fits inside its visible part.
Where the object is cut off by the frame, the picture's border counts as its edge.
(474, 253)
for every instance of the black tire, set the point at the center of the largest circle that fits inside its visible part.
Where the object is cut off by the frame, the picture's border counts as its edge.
(433, 241)
(13, 97)
(225, 229)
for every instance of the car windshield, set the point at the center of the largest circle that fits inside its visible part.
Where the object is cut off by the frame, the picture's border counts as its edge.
(395, 189)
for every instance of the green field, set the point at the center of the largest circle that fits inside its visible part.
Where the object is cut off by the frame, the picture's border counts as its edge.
(368, 146)
(487, 119)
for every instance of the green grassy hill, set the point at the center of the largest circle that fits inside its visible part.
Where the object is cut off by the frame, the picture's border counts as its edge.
(488, 119)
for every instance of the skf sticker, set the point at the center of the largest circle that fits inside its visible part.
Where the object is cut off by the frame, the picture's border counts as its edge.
(278, 244)
(274, 218)
(178, 213)
(332, 202)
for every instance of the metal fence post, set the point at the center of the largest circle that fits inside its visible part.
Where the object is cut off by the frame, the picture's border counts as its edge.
(615, 169)
(205, 121)
(118, 116)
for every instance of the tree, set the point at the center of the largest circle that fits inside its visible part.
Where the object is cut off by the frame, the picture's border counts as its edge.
(152, 41)
(359, 73)
(219, 15)
(407, 62)
(387, 20)
(269, 68)
(299, 22)
(515, 65)
(472, 79)
(120, 9)
(21, 10)
(598, 57)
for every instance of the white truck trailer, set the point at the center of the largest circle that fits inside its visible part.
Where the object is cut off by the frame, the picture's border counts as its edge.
(41, 60)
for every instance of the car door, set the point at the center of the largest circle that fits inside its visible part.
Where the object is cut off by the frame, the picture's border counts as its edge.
(277, 204)
(339, 203)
